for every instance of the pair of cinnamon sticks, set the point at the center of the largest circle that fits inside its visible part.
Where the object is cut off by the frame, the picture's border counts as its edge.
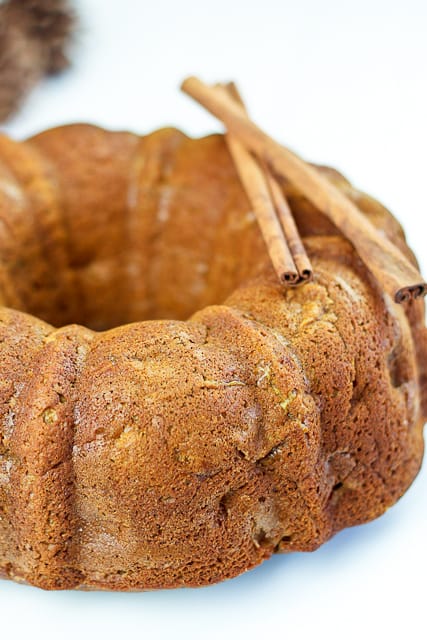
(271, 208)
(258, 158)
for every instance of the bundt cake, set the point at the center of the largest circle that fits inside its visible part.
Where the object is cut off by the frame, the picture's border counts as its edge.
(169, 415)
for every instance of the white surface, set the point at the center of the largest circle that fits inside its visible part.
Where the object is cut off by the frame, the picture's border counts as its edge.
(343, 82)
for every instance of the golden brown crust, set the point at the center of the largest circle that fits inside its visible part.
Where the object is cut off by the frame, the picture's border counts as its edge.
(236, 421)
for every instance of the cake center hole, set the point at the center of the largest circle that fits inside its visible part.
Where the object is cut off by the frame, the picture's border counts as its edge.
(160, 278)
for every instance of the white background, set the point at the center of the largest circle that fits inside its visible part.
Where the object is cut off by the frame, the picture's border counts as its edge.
(343, 82)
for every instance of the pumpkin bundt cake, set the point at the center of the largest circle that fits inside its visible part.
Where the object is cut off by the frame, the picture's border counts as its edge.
(169, 415)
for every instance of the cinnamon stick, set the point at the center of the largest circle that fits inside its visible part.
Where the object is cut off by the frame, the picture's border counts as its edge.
(283, 210)
(398, 276)
(292, 235)
(257, 190)
(255, 184)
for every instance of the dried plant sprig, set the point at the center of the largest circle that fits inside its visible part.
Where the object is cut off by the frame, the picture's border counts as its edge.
(34, 36)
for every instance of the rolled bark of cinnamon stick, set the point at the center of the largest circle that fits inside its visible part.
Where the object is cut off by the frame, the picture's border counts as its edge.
(301, 259)
(255, 184)
(283, 210)
(256, 187)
